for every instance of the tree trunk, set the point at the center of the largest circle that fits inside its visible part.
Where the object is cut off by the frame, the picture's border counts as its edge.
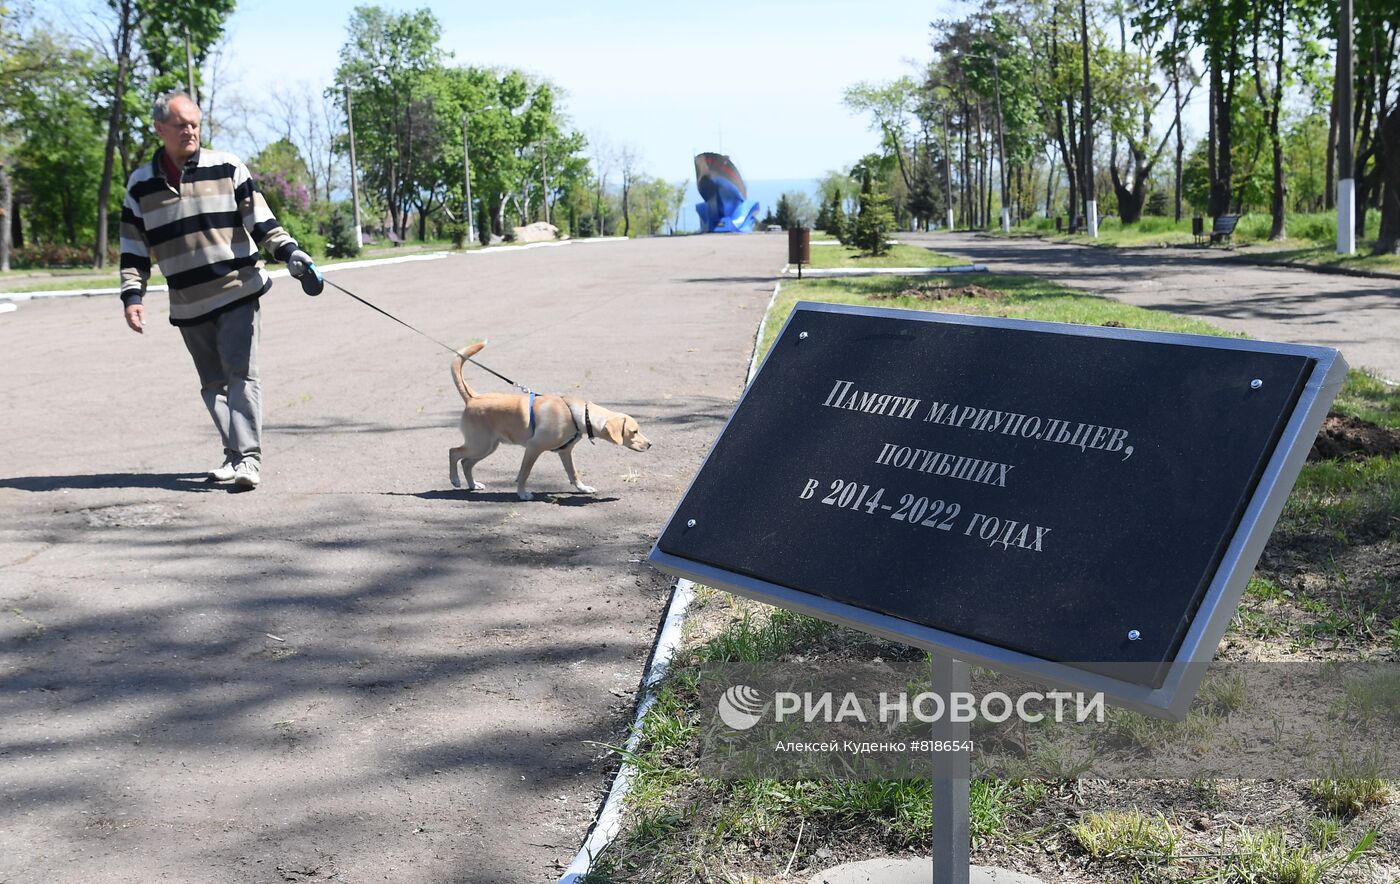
(1180, 143)
(1388, 164)
(126, 12)
(1329, 191)
(1273, 113)
(626, 207)
(6, 202)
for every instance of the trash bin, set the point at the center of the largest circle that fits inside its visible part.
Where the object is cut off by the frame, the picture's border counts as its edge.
(800, 245)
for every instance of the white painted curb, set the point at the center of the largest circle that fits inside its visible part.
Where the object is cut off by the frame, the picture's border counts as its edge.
(328, 268)
(279, 273)
(668, 640)
(886, 271)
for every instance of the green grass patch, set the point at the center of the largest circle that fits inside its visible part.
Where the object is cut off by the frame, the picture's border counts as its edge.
(899, 255)
(1267, 857)
(682, 823)
(1326, 256)
(1126, 835)
(1016, 297)
(1346, 501)
(1355, 787)
(1369, 398)
(1309, 238)
(758, 638)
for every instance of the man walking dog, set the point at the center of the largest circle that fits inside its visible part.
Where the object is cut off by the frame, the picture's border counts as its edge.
(198, 213)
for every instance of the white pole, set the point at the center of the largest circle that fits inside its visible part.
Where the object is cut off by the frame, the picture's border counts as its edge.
(1346, 216)
(467, 179)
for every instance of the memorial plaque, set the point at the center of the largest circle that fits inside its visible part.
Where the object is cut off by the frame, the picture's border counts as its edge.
(1079, 503)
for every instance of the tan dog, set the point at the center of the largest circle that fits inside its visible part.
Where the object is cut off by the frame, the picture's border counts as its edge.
(557, 424)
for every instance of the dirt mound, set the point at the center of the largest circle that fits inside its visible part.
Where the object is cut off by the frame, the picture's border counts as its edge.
(1350, 438)
(942, 291)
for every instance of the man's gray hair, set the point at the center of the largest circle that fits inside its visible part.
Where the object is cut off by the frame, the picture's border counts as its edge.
(161, 109)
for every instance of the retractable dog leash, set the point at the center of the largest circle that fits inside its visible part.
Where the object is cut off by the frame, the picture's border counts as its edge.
(452, 350)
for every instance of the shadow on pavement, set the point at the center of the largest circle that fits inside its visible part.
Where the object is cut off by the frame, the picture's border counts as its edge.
(558, 498)
(168, 481)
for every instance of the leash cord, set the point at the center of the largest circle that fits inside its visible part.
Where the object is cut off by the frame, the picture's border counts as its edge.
(451, 350)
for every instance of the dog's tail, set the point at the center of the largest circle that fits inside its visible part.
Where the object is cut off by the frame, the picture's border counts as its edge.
(462, 356)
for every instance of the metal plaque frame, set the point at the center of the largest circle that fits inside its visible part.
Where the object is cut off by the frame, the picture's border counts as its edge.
(1227, 585)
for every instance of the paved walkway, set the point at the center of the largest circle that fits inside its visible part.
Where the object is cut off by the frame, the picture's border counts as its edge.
(1357, 315)
(354, 672)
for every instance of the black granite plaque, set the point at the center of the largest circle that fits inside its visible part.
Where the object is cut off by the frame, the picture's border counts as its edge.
(1065, 496)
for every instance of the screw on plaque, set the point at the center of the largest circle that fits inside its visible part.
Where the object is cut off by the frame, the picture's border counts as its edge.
(1134, 635)
(690, 523)
(1255, 384)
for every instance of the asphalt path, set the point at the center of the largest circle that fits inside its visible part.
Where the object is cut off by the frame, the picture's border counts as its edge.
(354, 672)
(1359, 316)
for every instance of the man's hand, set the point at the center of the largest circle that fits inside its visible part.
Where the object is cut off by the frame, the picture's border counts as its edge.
(298, 262)
(300, 266)
(136, 318)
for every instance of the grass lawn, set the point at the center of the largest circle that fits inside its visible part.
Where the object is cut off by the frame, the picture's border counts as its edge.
(1325, 591)
(899, 255)
(1326, 256)
(1310, 239)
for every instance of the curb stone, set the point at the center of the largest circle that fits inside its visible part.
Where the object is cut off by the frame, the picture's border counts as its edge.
(609, 820)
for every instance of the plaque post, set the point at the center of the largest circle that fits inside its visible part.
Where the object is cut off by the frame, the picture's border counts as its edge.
(951, 777)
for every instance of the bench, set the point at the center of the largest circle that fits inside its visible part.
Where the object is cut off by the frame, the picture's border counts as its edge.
(394, 238)
(1222, 231)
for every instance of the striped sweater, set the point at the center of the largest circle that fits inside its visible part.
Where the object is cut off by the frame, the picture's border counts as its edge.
(204, 235)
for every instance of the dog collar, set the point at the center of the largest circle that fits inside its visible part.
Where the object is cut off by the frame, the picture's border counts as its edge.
(588, 425)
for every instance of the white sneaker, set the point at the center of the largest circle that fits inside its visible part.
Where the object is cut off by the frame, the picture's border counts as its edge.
(223, 473)
(245, 475)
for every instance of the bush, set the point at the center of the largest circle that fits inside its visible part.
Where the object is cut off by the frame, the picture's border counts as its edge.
(840, 224)
(1156, 204)
(303, 230)
(457, 232)
(1161, 225)
(342, 239)
(874, 223)
(53, 255)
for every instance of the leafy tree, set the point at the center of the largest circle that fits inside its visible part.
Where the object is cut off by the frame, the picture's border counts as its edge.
(281, 173)
(388, 61)
(145, 38)
(839, 225)
(875, 222)
(58, 161)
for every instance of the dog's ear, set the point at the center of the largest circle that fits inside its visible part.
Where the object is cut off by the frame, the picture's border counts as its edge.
(613, 428)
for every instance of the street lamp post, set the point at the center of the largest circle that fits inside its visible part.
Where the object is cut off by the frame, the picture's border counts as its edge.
(354, 176)
(467, 170)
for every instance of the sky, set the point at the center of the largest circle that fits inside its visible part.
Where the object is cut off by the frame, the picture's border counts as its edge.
(760, 80)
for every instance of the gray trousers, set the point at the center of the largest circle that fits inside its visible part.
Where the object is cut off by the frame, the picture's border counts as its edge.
(225, 351)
